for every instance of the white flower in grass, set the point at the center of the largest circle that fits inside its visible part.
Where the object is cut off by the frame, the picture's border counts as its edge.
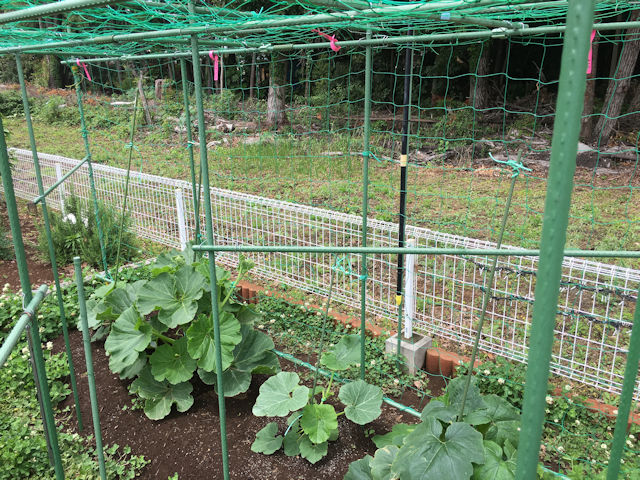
(501, 381)
(577, 422)
(549, 399)
(85, 222)
(396, 381)
(70, 218)
(25, 350)
(555, 420)
(373, 362)
(548, 411)
(487, 372)
(631, 437)
(615, 412)
(49, 345)
(561, 449)
(603, 446)
(630, 443)
(567, 388)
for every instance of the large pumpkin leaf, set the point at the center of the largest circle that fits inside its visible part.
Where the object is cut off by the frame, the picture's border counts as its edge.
(107, 303)
(172, 362)
(129, 336)
(344, 354)
(318, 421)
(426, 455)
(175, 296)
(360, 469)
(495, 467)
(381, 463)
(455, 394)
(280, 395)
(132, 370)
(293, 436)
(362, 401)
(395, 437)
(254, 352)
(160, 396)
(501, 419)
(313, 452)
(437, 409)
(201, 345)
(266, 440)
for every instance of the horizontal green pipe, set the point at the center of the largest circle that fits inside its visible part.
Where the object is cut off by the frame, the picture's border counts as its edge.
(403, 39)
(55, 185)
(327, 373)
(21, 324)
(292, 21)
(520, 252)
(54, 8)
(183, 8)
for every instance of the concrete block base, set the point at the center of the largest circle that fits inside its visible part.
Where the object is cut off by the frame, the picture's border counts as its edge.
(414, 350)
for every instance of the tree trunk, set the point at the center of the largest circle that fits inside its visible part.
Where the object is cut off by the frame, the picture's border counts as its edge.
(252, 75)
(143, 100)
(587, 118)
(481, 89)
(618, 86)
(276, 114)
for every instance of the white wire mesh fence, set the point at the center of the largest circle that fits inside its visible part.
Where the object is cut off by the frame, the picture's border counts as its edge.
(596, 303)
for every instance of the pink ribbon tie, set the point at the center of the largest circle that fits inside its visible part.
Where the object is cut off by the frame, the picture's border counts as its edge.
(86, 70)
(332, 39)
(590, 61)
(214, 59)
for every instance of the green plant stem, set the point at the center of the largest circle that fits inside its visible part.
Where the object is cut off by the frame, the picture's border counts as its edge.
(232, 289)
(322, 338)
(162, 337)
(487, 294)
(325, 394)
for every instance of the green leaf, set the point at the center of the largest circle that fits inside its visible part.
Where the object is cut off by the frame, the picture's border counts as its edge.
(266, 440)
(172, 362)
(132, 370)
(437, 409)
(254, 351)
(160, 396)
(313, 452)
(395, 437)
(174, 295)
(235, 382)
(318, 421)
(129, 336)
(344, 354)
(495, 467)
(381, 463)
(360, 469)
(247, 315)
(362, 401)
(293, 437)
(280, 395)
(455, 393)
(502, 418)
(201, 345)
(426, 454)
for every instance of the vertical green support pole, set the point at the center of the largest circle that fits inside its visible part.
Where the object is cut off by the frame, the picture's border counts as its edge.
(564, 148)
(87, 150)
(624, 407)
(88, 356)
(368, 71)
(204, 169)
(47, 229)
(192, 167)
(34, 335)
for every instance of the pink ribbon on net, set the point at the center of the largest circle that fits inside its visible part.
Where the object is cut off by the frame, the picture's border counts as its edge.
(214, 59)
(590, 61)
(83, 65)
(332, 39)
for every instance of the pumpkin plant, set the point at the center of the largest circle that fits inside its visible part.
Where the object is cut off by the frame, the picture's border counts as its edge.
(312, 423)
(160, 332)
(481, 445)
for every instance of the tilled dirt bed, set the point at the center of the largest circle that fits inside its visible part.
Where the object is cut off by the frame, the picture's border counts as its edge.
(189, 443)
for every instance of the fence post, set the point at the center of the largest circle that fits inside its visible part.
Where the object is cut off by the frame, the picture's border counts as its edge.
(182, 229)
(61, 191)
(409, 291)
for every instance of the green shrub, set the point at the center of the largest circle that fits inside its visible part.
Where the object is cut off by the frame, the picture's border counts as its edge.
(6, 246)
(10, 103)
(76, 234)
(55, 111)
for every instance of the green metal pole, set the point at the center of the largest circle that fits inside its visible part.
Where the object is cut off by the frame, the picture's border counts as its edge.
(42, 385)
(624, 406)
(88, 356)
(204, 169)
(368, 72)
(53, 8)
(52, 250)
(22, 323)
(46, 193)
(564, 148)
(87, 150)
(192, 166)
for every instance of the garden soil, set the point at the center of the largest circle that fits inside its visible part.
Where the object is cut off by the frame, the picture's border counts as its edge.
(189, 443)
